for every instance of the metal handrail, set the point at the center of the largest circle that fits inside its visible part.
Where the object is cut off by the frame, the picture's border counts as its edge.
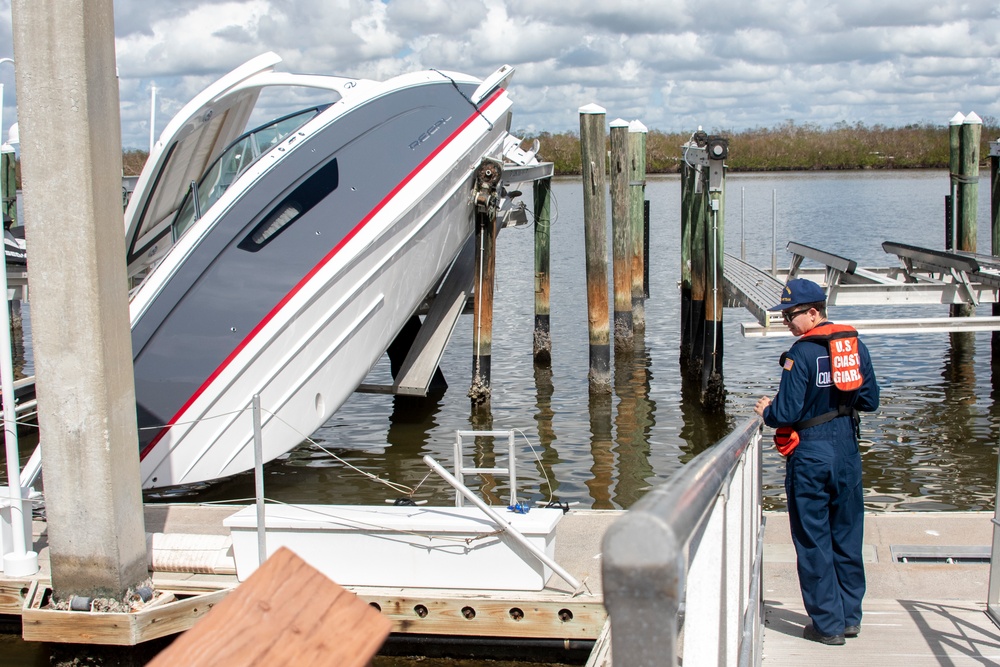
(684, 535)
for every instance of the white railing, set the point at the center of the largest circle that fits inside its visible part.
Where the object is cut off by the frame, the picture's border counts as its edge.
(993, 590)
(688, 556)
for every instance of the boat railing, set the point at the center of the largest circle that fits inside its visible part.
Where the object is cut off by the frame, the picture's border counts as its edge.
(688, 557)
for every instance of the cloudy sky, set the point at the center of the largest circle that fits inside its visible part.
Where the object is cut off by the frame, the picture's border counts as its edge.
(673, 64)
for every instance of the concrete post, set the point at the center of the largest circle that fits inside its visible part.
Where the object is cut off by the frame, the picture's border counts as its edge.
(71, 153)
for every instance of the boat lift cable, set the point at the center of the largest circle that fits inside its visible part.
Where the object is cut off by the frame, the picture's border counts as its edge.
(195, 421)
(395, 486)
(465, 97)
(541, 466)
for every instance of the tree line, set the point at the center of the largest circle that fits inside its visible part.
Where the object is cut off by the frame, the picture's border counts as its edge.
(790, 146)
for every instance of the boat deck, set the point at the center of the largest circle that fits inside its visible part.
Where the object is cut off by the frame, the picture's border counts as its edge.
(920, 612)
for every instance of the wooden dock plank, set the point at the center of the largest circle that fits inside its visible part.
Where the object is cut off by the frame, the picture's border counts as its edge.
(286, 613)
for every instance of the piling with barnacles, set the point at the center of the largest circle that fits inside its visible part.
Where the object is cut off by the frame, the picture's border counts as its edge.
(621, 236)
(592, 147)
(487, 178)
(638, 216)
(702, 239)
(966, 201)
(542, 345)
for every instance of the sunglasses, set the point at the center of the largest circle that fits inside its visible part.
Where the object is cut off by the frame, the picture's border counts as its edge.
(788, 316)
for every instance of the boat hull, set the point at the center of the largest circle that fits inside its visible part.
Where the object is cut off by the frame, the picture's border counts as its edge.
(383, 194)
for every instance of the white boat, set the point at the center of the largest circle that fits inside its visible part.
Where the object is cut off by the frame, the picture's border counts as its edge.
(283, 261)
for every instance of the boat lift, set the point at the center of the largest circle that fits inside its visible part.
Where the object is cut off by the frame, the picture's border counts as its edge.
(924, 277)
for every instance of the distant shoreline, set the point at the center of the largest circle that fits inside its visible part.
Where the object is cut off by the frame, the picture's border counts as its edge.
(790, 147)
(787, 147)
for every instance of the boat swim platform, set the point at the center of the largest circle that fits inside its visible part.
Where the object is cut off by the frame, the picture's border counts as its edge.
(194, 534)
(923, 277)
(924, 611)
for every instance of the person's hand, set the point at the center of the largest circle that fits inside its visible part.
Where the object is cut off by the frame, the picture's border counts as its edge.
(762, 403)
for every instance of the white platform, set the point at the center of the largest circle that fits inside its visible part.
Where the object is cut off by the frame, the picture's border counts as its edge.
(389, 546)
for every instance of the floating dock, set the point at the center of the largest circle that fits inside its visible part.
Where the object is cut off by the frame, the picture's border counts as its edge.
(927, 584)
(195, 535)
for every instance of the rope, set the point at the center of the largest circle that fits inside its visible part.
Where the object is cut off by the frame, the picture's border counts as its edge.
(962, 179)
(400, 488)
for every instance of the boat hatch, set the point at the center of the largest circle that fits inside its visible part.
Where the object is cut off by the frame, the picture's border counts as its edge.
(233, 162)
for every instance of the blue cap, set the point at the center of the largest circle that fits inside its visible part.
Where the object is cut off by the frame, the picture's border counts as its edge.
(799, 291)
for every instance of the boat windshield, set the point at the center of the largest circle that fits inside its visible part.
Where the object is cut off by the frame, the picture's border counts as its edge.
(234, 161)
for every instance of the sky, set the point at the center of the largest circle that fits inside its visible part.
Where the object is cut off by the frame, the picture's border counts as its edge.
(674, 65)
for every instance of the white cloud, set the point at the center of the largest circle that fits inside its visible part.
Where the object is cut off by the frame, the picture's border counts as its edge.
(674, 64)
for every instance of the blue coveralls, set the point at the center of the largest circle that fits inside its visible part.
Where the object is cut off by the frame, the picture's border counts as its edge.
(823, 484)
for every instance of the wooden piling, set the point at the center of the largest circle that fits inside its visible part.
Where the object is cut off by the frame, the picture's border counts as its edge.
(954, 167)
(592, 147)
(687, 319)
(713, 395)
(621, 236)
(482, 310)
(542, 344)
(693, 201)
(967, 202)
(637, 214)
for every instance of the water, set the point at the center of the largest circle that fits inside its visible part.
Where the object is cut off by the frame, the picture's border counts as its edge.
(931, 446)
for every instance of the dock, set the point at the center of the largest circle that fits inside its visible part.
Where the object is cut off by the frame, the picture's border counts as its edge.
(572, 620)
(927, 573)
(927, 585)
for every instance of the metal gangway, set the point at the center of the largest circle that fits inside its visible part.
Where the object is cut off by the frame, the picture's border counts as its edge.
(685, 562)
(686, 571)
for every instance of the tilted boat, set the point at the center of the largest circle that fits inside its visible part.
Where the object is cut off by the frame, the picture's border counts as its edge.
(283, 262)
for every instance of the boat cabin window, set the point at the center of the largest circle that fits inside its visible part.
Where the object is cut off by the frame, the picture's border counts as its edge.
(234, 161)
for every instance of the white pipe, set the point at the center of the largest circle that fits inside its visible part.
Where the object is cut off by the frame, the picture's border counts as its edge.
(743, 210)
(18, 561)
(502, 523)
(31, 470)
(258, 478)
(774, 232)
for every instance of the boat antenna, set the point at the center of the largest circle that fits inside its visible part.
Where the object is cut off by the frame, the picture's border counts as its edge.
(465, 97)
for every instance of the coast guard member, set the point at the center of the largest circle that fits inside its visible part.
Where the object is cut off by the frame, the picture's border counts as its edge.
(826, 378)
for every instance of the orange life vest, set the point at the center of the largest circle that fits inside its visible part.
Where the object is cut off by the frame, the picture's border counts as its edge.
(845, 371)
(845, 360)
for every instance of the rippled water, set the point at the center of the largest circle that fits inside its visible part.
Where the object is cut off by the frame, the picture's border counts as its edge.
(932, 445)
